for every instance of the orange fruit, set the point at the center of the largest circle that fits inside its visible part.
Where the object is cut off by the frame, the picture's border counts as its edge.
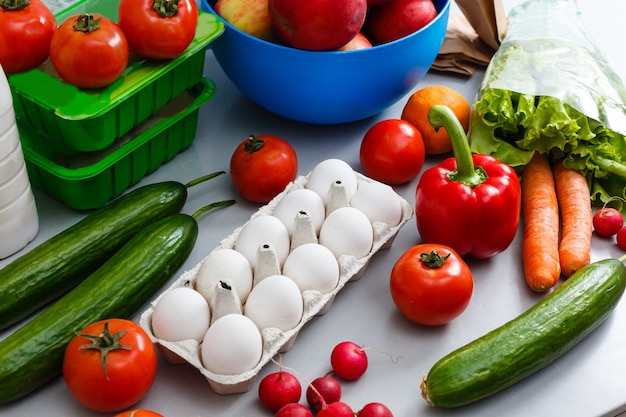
(416, 112)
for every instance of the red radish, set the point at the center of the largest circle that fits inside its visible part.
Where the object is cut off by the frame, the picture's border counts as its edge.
(621, 238)
(374, 410)
(294, 410)
(278, 389)
(607, 221)
(323, 391)
(336, 409)
(348, 360)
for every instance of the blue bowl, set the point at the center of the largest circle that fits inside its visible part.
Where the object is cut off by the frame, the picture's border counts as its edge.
(328, 87)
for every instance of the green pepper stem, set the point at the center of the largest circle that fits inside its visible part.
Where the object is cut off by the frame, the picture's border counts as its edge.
(442, 116)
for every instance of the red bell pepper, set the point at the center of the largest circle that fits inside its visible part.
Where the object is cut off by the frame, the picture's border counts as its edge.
(471, 203)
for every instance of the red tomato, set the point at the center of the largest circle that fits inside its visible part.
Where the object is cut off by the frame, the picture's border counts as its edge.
(138, 413)
(129, 370)
(27, 30)
(392, 151)
(262, 166)
(158, 29)
(89, 51)
(429, 294)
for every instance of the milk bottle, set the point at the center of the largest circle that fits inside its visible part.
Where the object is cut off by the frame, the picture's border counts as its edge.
(19, 220)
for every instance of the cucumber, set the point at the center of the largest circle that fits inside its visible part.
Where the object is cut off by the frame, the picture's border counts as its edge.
(530, 341)
(33, 354)
(58, 264)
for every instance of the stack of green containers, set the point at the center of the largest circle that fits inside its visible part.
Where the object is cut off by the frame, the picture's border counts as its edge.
(84, 147)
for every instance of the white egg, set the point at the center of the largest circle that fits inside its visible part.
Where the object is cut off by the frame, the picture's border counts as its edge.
(181, 313)
(347, 231)
(379, 202)
(224, 265)
(313, 267)
(260, 230)
(299, 200)
(232, 345)
(275, 301)
(328, 171)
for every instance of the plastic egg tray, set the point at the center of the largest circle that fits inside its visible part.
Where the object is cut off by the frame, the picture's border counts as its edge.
(88, 180)
(274, 340)
(90, 120)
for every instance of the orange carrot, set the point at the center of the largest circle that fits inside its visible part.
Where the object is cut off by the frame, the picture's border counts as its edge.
(572, 193)
(540, 244)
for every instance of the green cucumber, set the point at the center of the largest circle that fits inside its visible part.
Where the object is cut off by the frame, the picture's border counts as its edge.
(33, 354)
(52, 268)
(530, 341)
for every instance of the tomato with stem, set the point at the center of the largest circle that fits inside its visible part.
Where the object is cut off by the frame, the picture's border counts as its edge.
(110, 365)
(89, 51)
(27, 27)
(158, 29)
(262, 166)
(431, 284)
(139, 413)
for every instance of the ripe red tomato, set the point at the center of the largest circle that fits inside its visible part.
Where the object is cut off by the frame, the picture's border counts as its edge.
(262, 166)
(392, 151)
(89, 51)
(158, 29)
(138, 413)
(129, 370)
(27, 27)
(429, 294)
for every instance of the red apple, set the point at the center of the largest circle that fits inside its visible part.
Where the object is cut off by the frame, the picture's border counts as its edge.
(249, 16)
(360, 41)
(317, 25)
(398, 18)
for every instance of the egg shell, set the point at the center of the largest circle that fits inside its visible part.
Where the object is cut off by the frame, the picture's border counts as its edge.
(329, 171)
(312, 267)
(347, 231)
(232, 345)
(180, 314)
(379, 202)
(224, 265)
(263, 230)
(276, 302)
(299, 200)
(274, 340)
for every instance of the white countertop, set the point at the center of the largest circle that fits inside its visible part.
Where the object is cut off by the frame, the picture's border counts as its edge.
(587, 381)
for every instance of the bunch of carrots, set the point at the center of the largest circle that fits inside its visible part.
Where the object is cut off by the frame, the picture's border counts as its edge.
(558, 222)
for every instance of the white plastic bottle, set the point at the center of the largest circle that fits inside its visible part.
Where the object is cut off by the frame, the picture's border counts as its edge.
(19, 219)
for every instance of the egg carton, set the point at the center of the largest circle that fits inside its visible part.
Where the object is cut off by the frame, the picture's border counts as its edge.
(315, 303)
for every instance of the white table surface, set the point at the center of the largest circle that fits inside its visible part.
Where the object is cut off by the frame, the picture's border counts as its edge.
(588, 381)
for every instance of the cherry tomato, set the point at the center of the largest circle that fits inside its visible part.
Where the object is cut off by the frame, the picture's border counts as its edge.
(262, 166)
(110, 365)
(158, 29)
(89, 51)
(392, 151)
(27, 27)
(431, 284)
(138, 413)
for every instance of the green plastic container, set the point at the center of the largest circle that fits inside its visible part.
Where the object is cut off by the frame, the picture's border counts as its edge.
(88, 180)
(90, 120)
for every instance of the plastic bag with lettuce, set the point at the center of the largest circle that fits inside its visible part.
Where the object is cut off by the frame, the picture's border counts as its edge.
(548, 89)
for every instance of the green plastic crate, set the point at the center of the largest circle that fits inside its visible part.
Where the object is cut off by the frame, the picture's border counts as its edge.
(88, 180)
(90, 120)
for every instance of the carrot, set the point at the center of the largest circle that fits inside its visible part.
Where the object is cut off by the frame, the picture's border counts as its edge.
(572, 193)
(540, 243)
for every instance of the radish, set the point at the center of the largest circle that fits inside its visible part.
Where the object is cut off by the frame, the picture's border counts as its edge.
(279, 389)
(374, 410)
(294, 410)
(336, 409)
(621, 238)
(348, 360)
(323, 391)
(607, 221)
